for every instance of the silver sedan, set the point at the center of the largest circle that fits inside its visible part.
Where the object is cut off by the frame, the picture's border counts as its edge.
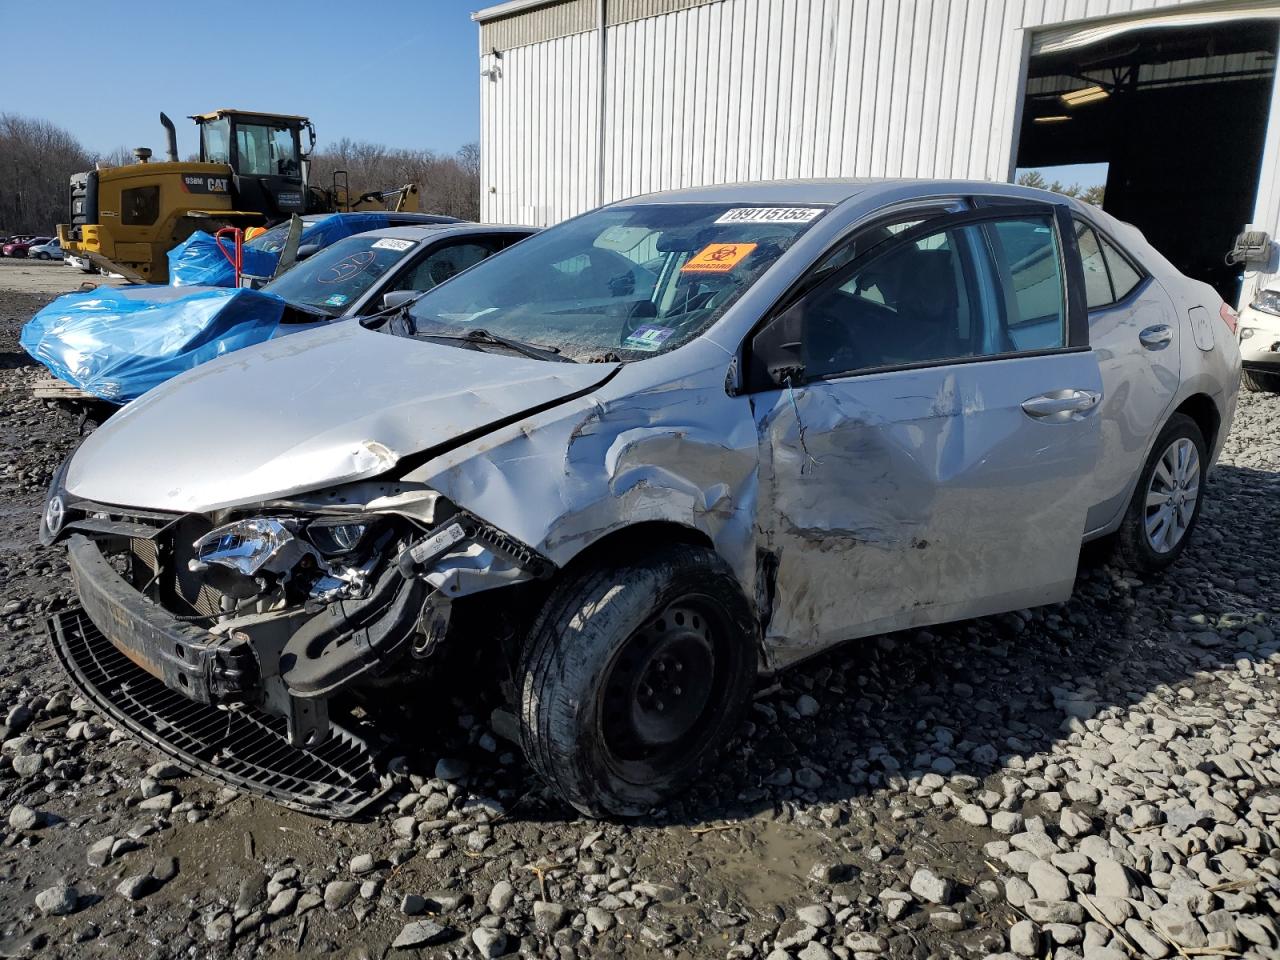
(641, 458)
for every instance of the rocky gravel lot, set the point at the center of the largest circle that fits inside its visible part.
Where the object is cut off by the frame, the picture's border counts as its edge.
(1096, 780)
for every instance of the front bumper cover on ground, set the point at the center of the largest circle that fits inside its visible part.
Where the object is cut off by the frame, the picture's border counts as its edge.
(240, 746)
(187, 692)
(198, 664)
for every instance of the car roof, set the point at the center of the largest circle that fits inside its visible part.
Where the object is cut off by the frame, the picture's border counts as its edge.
(827, 191)
(435, 231)
(405, 217)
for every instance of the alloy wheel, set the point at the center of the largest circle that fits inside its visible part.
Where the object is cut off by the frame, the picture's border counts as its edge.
(1172, 493)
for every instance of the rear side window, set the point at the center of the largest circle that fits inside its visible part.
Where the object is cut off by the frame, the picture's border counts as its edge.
(1109, 275)
(1097, 285)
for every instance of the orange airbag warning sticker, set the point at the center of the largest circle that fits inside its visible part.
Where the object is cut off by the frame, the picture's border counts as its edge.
(718, 258)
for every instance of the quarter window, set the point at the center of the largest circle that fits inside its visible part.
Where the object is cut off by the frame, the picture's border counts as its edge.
(1124, 278)
(1109, 275)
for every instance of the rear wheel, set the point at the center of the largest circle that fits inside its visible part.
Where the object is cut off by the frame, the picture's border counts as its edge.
(1166, 504)
(42, 256)
(634, 677)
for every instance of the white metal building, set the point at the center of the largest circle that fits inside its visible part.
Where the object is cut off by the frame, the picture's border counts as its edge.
(588, 101)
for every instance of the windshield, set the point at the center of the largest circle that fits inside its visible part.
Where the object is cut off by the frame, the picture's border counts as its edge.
(629, 282)
(337, 276)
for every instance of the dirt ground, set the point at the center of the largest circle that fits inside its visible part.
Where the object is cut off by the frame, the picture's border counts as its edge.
(1099, 779)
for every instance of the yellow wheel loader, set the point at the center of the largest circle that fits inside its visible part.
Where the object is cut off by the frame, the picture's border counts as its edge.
(253, 171)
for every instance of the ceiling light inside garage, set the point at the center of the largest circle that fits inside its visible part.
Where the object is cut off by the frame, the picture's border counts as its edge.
(1076, 98)
(1059, 118)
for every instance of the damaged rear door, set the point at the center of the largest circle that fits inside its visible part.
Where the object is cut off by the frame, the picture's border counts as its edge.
(927, 418)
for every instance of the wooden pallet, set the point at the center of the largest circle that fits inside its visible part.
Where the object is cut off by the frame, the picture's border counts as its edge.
(51, 388)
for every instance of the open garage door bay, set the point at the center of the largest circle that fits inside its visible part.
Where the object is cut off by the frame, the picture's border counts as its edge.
(1177, 109)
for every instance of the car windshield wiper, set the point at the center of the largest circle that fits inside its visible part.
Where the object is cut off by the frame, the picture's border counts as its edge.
(479, 335)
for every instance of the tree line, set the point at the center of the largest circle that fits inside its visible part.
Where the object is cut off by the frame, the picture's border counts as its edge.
(37, 159)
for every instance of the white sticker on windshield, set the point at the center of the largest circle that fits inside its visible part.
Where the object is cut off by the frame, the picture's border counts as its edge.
(770, 215)
(389, 243)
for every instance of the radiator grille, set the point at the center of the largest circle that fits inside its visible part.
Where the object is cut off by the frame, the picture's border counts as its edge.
(245, 748)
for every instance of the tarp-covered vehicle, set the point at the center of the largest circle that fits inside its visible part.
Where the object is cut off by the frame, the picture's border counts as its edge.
(635, 460)
(199, 261)
(117, 343)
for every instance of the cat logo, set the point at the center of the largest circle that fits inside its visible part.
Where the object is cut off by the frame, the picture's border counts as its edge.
(193, 183)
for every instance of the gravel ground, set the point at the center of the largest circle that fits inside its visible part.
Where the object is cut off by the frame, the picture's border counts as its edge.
(1099, 779)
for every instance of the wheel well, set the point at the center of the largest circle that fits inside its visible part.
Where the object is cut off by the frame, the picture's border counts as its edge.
(629, 540)
(1201, 408)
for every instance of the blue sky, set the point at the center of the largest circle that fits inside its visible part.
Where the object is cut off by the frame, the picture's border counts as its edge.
(398, 72)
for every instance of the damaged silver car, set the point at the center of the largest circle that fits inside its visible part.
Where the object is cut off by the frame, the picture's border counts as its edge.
(641, 458)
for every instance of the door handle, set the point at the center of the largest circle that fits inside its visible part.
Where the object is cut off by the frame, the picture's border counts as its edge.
(1061, 405)
(1157, 337)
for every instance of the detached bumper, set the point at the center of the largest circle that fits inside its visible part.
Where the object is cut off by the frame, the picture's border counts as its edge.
(199, 665)
(184, 691)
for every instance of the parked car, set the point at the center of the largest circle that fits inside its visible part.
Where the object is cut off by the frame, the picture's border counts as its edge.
(50, 250)
(636, 460)
(1260, 339)
(19, 248)
(198, 261)
(116, 344)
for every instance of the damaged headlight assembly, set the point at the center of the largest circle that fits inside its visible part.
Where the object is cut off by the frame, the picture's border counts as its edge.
(285, 547)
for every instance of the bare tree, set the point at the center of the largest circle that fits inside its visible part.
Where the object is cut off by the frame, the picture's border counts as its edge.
(449, 183)
(37, 160)
(1094, 194)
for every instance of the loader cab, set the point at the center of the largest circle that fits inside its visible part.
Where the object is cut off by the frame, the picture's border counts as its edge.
(266, 155)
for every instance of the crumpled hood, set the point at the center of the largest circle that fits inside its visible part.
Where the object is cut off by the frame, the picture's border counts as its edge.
(327, 406)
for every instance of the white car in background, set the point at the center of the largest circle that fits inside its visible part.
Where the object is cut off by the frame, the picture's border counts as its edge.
(45, 251)
(1259, 332)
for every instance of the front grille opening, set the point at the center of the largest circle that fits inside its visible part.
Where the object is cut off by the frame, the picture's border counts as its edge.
(243, 747)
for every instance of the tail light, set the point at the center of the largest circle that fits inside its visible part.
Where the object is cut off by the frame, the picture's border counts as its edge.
(1228, 317)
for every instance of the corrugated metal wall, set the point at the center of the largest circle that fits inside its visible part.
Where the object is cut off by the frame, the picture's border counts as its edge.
(752, 89)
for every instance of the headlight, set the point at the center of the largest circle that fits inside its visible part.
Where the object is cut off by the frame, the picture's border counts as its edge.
(334, 537)
(1268, 301)
(251, 546)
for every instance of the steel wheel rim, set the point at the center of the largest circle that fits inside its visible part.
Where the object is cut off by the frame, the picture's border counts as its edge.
(640, 738)
(1172, 494)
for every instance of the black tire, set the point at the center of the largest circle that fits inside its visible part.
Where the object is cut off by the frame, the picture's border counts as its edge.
(1134, 546)
(42, 256)
(588, 726)
(1256, 382)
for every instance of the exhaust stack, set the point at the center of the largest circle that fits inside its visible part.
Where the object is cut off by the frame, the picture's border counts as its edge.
(173, 137)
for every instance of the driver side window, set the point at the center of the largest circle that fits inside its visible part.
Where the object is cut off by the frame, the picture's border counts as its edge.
(443, 263)
(971, 289)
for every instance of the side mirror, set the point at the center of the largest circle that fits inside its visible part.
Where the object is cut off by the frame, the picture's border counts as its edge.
(398, 298)
(307, 249)
(776, 356)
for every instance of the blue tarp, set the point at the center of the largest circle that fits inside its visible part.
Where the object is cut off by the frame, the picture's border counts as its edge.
(118, 343)
(197, 261)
